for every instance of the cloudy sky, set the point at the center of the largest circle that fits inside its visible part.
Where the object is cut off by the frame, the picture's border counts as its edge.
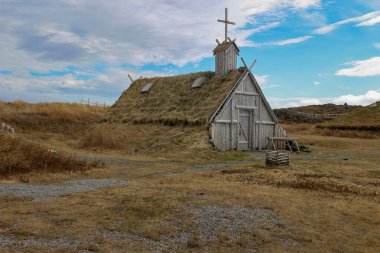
(307, 51)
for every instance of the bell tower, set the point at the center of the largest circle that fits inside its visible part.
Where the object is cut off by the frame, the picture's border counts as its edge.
(226, 52)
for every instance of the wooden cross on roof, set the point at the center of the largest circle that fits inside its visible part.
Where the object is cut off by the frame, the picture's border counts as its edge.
(226, 23)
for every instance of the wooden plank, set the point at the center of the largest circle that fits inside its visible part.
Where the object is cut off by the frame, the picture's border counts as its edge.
(260, 133)
(146, 88)
(246, 107)
(232, 120)
(198, 82)
(246, 93)
(265, 122)
(237, 129)
(282, 138)
(226, 121)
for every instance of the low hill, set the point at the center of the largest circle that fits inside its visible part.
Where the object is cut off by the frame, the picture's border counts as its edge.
(312, 113)
(366, 118)
(325, 109)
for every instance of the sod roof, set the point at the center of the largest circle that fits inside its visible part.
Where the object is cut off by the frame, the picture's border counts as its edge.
(171, 100)
(225, 45)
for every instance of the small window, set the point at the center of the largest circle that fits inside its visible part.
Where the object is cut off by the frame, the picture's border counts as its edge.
(146, 87)
(198, 82)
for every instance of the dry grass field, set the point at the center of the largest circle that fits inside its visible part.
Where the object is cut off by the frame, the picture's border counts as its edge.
(164, 189)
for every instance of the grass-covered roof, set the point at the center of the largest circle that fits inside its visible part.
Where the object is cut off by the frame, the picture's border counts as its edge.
(171, 100)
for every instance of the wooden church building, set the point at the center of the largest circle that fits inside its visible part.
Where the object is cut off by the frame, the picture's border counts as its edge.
(229, 102)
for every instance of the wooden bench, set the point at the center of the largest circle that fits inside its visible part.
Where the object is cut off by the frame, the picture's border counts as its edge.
(289, 142)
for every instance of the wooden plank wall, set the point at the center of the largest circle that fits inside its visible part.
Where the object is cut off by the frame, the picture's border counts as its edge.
(225, 127)
(225, 61)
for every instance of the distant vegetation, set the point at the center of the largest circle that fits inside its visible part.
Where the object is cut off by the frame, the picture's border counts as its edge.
(298, 114)
(363, 119)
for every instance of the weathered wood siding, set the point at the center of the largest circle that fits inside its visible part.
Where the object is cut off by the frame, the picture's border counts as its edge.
(225, 61)
(244, 104)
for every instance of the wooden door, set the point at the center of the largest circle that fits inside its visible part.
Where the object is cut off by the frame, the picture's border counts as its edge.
(245, 130)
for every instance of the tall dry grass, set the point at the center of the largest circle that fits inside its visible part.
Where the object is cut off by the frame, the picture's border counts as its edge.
(18, 156)
(54, 117)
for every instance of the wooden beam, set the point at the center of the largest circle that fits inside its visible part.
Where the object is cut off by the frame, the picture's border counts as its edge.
(226, 121)
(232, 119)
(260, 109)
(265, 122)
(217, 41)
(246, 93)
(237, 129)
(246, 107)
(130, 78)
(253, 64)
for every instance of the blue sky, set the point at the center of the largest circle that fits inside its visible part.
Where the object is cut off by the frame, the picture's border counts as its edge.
(307, 51)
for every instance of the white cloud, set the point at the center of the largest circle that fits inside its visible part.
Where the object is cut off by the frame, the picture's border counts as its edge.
(364, 99)
(370, 22)
(82, 33)
(316, 83)
(285, 42)
(363, 68)
(132, 32)
(259, 7)
(105, 87)
(368, 19)
(266, 27)
(292, 41)
(262, 80)
(271, 86)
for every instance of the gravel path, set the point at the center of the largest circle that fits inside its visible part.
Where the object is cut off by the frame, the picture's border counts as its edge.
(234, 221)
(54, 243)
(208, 223)
(40, 192)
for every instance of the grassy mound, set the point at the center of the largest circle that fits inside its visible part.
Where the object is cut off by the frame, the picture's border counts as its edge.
(52, 117)
(300, 114)
(19, 156)
(363, 119)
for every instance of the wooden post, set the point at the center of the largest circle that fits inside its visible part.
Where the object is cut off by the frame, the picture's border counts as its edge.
(259, 123)
(226, 23)
(237, 129)
(130, 78)
(231, 125)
